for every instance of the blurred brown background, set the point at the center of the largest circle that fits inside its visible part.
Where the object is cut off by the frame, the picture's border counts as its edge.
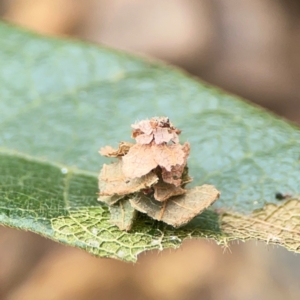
(248, 47)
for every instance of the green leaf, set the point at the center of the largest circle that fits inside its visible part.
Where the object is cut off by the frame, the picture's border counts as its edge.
(60, 101)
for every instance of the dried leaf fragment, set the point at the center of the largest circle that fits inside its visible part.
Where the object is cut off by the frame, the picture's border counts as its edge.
(186, 178)
(144, 139)
(109, 151)
(167, 156)
(162, 135)
(163, 191)
(122, 214)
(175, 175)
(138, 161)
(179, 210)
(110, 200)
(159, 129)
(143, 126)
(112, 181)
(141, 159)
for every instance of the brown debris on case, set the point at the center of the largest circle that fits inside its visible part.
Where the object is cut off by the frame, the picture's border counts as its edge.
(150, 177)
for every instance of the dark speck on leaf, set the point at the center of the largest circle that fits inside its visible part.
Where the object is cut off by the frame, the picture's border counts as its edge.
(280, 196)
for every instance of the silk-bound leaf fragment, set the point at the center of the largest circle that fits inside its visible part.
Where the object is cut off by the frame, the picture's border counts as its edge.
(112, 181)
(111, 152)
(163, 191)
(178, 211)
(168, 156)
(110, 200)
(122, 214)
(139, 161)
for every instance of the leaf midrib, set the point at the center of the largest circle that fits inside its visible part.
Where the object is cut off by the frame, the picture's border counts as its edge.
(73, 170)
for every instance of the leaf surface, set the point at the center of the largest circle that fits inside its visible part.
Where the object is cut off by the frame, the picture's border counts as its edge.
(61, 101)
